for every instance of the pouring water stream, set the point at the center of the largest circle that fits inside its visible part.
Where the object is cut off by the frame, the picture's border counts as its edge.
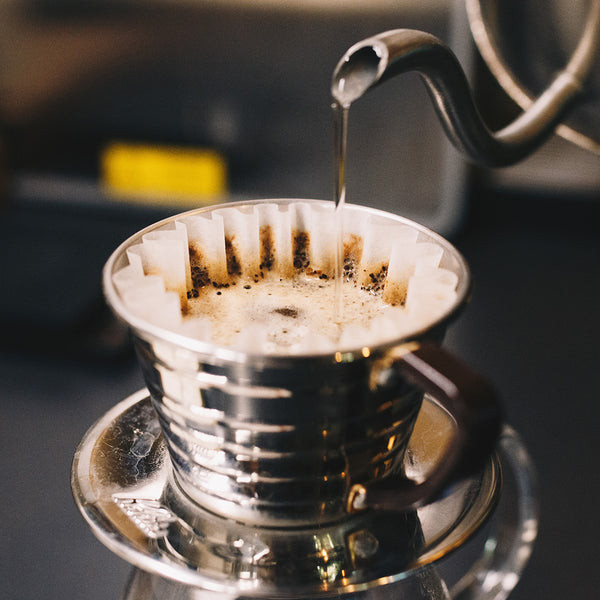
(349, 84)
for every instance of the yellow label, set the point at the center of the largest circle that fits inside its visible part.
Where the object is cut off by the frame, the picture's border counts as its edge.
(163, 174)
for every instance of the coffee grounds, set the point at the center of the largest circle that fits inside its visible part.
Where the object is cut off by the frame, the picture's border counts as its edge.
(199, 272)
(301, 244)
(288, 311)
(267, 248)
(376, 280)
(234, 267)
(353, 249)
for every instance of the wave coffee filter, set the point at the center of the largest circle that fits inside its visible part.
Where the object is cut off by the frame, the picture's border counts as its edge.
(236, 263)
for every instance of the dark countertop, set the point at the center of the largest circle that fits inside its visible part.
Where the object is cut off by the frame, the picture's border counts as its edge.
(532, 327)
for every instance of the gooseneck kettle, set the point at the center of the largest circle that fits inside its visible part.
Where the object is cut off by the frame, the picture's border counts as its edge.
(372, 61)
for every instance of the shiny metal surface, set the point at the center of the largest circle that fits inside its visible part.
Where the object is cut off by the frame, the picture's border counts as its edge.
(122, 482)
(375, 60)
(273, 439)
(526, 42)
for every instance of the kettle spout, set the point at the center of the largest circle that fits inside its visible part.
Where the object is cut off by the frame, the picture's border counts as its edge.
(372, 61)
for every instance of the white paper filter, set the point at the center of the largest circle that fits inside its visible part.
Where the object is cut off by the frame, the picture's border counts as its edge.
(260, 278)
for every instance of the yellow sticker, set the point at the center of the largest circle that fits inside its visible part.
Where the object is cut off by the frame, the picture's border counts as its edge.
(169, 175)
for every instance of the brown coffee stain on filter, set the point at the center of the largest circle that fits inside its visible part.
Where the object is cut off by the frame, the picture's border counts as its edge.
(234, 266)
(267, 248)
(374, 277)
(376, 280)
(301, 250)
(353, 249)
(199, 272)
(201, 277)
(394, 292)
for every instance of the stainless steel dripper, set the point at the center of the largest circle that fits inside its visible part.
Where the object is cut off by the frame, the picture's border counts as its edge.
(374, 60)
(296, 440)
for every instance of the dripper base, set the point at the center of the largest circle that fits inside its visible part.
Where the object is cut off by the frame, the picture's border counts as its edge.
(122, 483)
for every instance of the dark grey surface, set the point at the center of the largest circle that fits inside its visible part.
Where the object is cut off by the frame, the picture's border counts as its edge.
(532, 327)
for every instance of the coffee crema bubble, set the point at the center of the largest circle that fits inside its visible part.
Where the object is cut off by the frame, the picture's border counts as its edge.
(262, 280)
(283, 311)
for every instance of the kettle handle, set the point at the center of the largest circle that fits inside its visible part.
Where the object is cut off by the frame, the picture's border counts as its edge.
(376, 59)
(469, 400)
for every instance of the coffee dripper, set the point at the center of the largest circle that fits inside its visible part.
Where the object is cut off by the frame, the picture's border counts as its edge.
(329, 474)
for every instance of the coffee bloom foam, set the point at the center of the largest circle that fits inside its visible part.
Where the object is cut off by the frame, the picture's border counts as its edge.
(259, 278)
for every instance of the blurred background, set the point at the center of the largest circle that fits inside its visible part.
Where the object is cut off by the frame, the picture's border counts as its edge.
(115, 113)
